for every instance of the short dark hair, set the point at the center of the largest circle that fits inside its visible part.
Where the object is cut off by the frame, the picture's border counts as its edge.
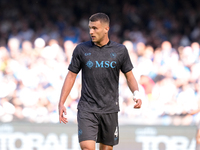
(102, 17)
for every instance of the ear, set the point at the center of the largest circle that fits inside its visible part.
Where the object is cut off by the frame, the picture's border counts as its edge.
(106, 29)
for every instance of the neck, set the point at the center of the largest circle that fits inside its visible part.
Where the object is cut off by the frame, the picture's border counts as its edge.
(102, 43)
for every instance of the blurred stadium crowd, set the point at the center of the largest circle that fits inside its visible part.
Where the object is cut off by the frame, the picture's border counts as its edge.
(37, 39)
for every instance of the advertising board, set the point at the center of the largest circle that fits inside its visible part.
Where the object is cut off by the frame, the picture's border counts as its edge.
(28, 136)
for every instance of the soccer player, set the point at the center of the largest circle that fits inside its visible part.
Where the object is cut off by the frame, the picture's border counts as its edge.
(101, 61)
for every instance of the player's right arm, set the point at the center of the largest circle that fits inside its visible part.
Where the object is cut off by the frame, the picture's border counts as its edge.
(67, 86)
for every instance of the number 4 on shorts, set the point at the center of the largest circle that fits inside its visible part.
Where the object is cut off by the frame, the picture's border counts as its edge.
(116, 133)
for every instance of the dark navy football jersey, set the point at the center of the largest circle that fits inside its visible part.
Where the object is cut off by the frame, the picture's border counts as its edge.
(100, 74)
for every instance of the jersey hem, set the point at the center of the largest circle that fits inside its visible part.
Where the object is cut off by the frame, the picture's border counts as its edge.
(98, 112)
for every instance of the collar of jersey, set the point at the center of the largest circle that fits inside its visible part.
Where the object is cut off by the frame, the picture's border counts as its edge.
(103, 45)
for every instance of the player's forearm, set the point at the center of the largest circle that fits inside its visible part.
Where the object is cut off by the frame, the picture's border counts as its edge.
(131, 81)
(67, 86)
(132, 84)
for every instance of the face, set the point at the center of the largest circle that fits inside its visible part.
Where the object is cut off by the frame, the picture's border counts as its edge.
(98, 31)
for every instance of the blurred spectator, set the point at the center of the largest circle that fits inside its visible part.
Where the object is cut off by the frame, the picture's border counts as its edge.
(131, 51)
(14, 45)
(196, 50)
(188, 56)
(68, 49)
(148, 85)
(140, 47)
(145, 61)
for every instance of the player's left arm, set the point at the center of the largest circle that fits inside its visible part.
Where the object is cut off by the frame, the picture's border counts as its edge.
(133, 85)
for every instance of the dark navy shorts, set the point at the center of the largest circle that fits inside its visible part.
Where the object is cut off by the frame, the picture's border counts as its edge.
(102, 128)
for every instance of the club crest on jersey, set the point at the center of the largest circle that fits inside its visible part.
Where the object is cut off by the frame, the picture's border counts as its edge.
(89, 64)
(113, 55)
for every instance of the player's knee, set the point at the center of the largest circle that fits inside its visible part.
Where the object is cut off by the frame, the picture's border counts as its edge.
(105, 147)
(86, 147)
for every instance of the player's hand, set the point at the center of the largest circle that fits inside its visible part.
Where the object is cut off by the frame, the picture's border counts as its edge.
(138, 103)
(62, 112)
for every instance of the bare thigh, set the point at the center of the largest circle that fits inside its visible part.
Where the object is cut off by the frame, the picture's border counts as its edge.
(88, 145)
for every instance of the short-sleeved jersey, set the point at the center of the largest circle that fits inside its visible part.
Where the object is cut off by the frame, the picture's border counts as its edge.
(100, 74)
